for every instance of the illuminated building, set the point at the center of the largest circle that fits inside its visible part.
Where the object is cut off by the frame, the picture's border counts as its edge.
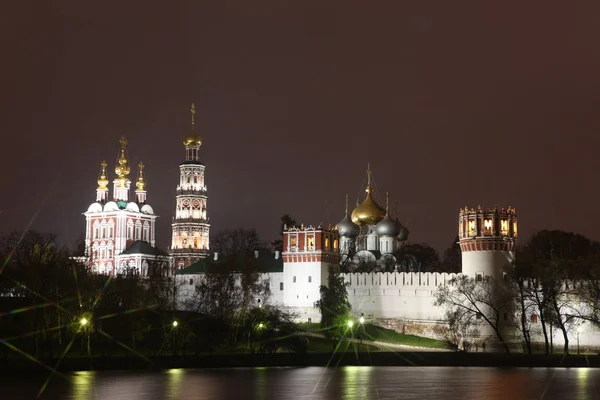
(190, 227)
(120, 234)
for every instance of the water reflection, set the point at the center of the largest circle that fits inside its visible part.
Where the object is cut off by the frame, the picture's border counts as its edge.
(357, 382)
(82, 384)
(315, 383)
(174, 383)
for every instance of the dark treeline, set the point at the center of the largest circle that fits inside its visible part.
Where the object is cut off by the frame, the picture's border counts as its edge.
(51, 303)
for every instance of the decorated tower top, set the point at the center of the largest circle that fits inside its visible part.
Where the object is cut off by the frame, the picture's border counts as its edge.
(192, 139)
(369, 212)
(102, 190)
(487, 223)
(122, 169)
(141, 184)
(122, 182)
(346, 227)
(102, 179)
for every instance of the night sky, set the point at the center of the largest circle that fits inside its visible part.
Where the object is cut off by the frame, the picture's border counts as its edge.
(453, 103)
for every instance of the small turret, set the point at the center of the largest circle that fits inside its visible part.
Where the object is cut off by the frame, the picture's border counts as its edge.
(141, 185)
(102, 191)
(122, 182)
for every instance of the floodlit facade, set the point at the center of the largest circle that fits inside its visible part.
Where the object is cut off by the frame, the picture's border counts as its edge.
(190, 227)
(115, 225)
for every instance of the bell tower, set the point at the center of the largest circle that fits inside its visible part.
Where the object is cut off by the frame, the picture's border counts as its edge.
(190, 240)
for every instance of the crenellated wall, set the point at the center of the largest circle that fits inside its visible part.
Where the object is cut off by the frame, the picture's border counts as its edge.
(402, 295)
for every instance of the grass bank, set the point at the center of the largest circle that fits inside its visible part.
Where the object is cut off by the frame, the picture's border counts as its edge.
(379, 334)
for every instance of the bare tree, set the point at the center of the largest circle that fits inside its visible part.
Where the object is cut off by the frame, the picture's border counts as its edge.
(462, 329)
(488, 300)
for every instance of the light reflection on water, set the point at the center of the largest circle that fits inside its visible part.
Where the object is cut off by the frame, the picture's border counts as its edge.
(316, 383)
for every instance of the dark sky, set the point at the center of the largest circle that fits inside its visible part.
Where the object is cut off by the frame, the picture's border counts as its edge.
(453, 103)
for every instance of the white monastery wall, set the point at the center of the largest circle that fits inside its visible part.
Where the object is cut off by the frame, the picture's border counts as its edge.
(396, 295)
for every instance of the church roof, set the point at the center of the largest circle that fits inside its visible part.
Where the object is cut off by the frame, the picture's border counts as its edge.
(264, 263)
(141, 247)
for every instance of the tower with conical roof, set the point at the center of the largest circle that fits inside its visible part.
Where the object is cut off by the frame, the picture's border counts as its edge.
(190, 227)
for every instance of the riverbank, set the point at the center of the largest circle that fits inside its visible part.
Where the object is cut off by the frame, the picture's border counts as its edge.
(22, 365)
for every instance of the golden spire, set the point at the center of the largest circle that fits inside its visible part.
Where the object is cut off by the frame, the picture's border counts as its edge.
(141, 184)
(102, 180)
(192, 139)
(122, 169)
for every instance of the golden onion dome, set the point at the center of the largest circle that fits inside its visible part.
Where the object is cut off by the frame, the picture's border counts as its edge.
(103, 180)
(192, 139)
(369, 212)
(122, 169)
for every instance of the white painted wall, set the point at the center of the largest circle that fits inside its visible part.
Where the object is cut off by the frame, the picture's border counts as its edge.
(396, 295)
(298, 290)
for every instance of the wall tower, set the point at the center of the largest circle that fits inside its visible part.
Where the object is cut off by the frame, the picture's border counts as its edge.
(308, 254)
(190, 240)
(487, 240)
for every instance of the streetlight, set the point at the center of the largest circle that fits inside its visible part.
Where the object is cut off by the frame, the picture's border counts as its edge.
(175, 324)
(362, 320)
(260, 326)
(85, 329)
(350, 324)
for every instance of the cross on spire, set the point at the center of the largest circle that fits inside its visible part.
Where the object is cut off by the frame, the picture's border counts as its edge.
(387, 202)
(193, 111)
(346, 203)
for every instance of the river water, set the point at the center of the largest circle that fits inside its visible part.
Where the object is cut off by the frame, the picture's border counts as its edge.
(313, 383)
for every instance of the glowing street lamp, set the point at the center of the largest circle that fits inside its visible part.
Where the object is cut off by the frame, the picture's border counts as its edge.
(175, 324)
(260, 326)
(361, 320)
(83, 321)
(350, 324)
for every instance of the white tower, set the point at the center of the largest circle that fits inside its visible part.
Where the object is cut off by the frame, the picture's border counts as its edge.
(487, 241)
(308, 254)
(190, 241)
